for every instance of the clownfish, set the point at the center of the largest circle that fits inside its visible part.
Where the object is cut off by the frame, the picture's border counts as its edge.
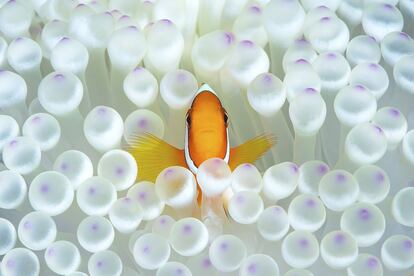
(206, 136)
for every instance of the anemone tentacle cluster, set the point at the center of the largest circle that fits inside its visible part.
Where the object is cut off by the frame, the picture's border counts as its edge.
(333, 80)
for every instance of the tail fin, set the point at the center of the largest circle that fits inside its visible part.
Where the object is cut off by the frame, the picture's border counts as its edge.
(251, 150)
(153, 155)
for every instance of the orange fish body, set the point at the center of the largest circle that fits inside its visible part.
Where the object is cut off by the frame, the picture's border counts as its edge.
(206, 131)
(206, 137)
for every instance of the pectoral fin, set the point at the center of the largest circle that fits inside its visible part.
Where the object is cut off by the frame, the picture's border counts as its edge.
(153, 155)
(251, 150)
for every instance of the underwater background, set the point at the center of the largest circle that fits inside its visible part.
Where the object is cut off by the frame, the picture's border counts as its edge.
(82, 81)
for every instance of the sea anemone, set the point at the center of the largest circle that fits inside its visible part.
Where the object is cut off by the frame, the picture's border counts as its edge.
(332, 80)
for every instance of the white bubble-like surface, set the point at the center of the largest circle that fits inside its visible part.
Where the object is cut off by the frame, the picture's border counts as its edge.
(310, 174)
(301, 49)
(127, 47)
(393, 123)
(3, 50)
(379, 19)
(151, 251)
(13, 189)
(173, 269)
(371, 75)
(397, 252)
(306, 212)
(96, 195)
(103, 128)
(20, 261)
(24, 54)
(365, 144)
(302, 77)
(98, 36)
(119, 167)
(188, 236)
(51, 192)
(339, 249)
(176, 186)
(140, 122)
(105, 263)
(13, 90)
(82, 80)
(361, 49)
(328, 4)
(365, 222)
(163, 225)
(246, 177)
(71, 55)
(307, 112)
(141, 87)
(75, 165)
(210, 51)
(201, 265)
(244, 63)
(144, 193)
(333, 70)
(245, 207)
(259, 264)
(366, 264)
(328, 29)
(9, 129)
(95, 233)
(273, 223)
(266, 94)
(396, 45)
(37, 230)
(401, 206)
(300, 249)
(133, 238)
(338, 189)
(8, 236)
(125, 214)
(355, 104)
(177, 88)
(60, 93)
(22, 155)
(52, 32)
(279, 181)
(165, 46)
(213, 176)
(62, 257)
(227, 253)
(15, 18)
(284, 18)
(374, 183)
(407, 146)
(44, 129)
(316, 13)
(403, 74)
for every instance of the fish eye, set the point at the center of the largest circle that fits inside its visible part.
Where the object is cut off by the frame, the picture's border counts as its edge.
(226, 118)
(188, 119)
